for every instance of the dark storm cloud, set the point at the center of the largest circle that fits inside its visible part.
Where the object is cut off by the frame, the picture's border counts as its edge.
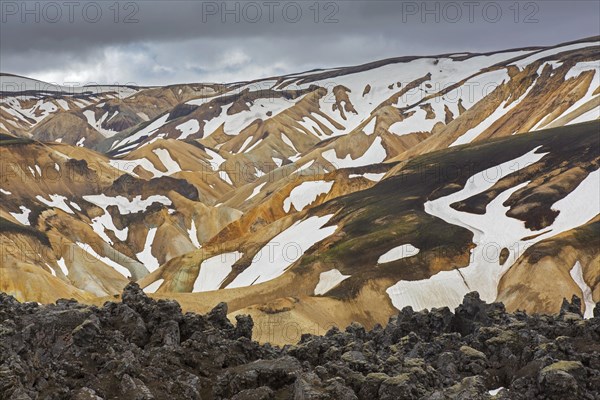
(159, 42)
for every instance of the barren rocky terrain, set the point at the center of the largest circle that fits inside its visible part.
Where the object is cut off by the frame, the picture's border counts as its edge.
(145, 349)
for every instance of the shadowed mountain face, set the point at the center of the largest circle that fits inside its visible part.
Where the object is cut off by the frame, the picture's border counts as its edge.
(313, 199)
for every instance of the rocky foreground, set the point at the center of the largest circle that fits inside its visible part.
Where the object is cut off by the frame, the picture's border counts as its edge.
(145, 349)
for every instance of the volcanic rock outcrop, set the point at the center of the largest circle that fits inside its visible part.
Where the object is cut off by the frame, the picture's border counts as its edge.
(146, 349)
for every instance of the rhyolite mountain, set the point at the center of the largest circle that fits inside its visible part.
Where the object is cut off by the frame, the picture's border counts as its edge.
(312, 199)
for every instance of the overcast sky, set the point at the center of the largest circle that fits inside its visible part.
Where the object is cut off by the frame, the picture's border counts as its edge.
(165, 42)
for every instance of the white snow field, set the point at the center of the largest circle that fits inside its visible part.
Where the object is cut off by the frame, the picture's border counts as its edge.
(216, 159)
(370, 176)
(116, 266)
(188, 128)
(256, 190)
(288, 141)
(577, 275)
(147, 131)
(56, 201)
(545, 53)
(328, 280)
(63, 266)
(165, 158)
(214, 270)
(193, 234)
(283, 250)
(234, 124)
(492, 232)
(397, 253)
(305, 193)
(501, 111)
(130, 165)
(154, 286)
(23, 216)
(145, 256)
(444, 72)
(90, 116)
(105, 222)
(125, 205)
(375, 154)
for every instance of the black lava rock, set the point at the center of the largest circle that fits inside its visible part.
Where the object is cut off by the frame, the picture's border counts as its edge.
(143, 349)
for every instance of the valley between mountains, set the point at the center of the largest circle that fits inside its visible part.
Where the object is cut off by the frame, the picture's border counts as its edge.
(315, 199)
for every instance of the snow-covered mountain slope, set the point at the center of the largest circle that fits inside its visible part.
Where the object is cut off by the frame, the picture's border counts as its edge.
(443, 224)
(396, 96)
(407, 181)
(26, 102)
(83, 115)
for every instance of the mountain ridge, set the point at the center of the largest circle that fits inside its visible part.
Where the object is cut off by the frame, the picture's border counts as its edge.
(359, 185)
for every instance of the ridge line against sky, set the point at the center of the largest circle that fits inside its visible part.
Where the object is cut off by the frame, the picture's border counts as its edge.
(162, 43)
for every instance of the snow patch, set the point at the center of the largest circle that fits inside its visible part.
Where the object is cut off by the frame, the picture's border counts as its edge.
(577, 275)
(234, 124)
(216, 158)
(125, 205)
(90, 116)
(305, 166)
(193, 234)
(397, 253)
(117, 267)
(305, 193)
(63, 104)
(546, 53)
(283, 250)
(369, 128)
(581, 67)
(591, 115)
(502, 110)
(165, 158)
(369, 176)
(145, 256)
(494, 392)
(63, 266)
(246, 143)
(447, 288)
(256, 190)
(188, 128)
(328, 280)
(22, 217)
(56, 201)
(139, 135)
(375, 154)
(154, 286)
(225, 176)
(214, 270)
(288, 141)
